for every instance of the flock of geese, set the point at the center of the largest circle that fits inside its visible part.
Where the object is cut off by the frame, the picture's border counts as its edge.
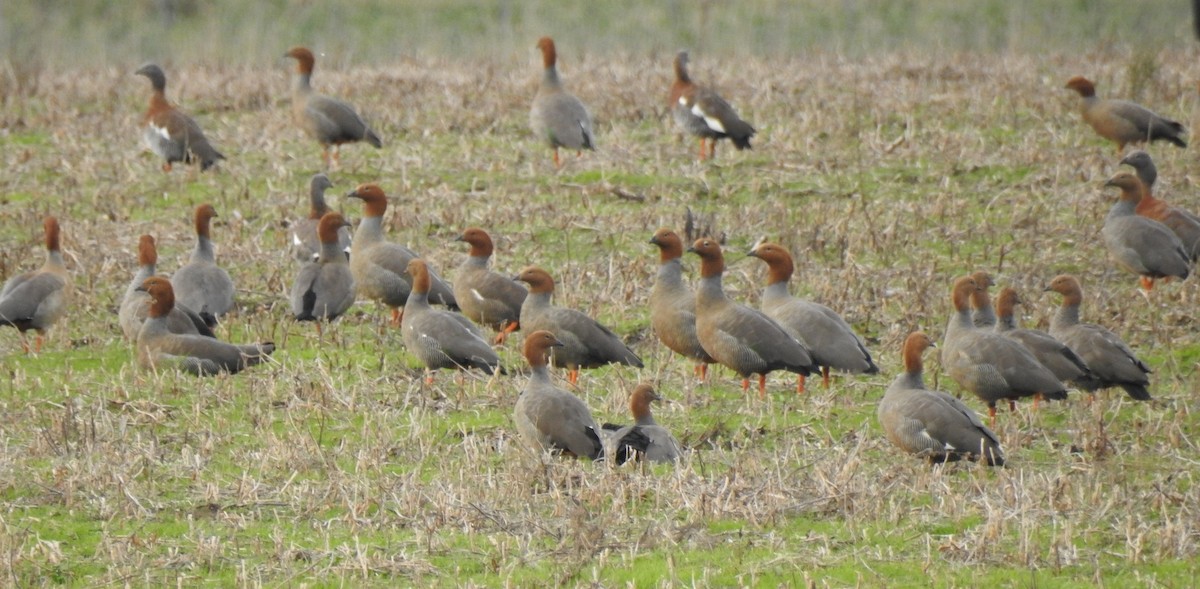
(170, 321)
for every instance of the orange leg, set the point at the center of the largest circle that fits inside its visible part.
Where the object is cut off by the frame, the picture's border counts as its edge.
(701, 371)
(397, 316)
(428, 377)
(800, 380)
(38, 341)
(745, 385)
(1147, 283)
(337, 157)
(503, 335)
(573, 376)
(557, 162)
(762, 386)
(703, 154)
(166, 166)
(712, 149)
(825, 376)
(992, 415)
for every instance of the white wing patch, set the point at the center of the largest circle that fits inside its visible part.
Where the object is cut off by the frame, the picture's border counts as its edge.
(161, 131)
(296, 239)
(478, 297)
(712, 122)
(925, 434)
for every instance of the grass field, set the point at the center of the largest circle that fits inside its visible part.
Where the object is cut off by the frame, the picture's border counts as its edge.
(102, 32)
(887, 174)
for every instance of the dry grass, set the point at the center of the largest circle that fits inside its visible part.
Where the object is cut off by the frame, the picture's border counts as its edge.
(336, 465)
(101, 32)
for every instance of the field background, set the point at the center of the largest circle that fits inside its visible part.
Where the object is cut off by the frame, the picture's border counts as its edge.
(900, 144)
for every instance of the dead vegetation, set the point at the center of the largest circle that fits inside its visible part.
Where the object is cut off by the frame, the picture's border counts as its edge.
(335, 463)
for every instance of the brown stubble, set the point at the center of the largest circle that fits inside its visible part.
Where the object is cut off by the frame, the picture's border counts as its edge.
(883, 177)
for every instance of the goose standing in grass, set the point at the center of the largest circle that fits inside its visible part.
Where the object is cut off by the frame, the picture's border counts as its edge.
(673, 304)
(37, 300)
(701, 112)
(557, 116)
(1121, 121)
(158, 348)
(1184, 224)
(584, 342)
(169, 132)
(380, 267)
(329, 121)
(932, 424)
(830, 340)
(1112, 363)
(487, 297)
(442, 339)
(201, 285)
(740, 338)
(135, 306)
(1140, 244)
(551, 419)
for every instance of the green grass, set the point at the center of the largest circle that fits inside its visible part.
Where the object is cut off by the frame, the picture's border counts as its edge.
(886, 174)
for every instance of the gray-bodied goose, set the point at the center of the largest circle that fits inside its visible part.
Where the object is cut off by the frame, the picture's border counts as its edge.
(324, 288)
(1122, 121)
(932, 424)
(201, 285)
(990, 365)
(1185, 224)
(1140, 244)
(37, 300)
(380, 267)
(306, 245)
(135, 306)
(740, 338)
(653, 442)
(585, 343)
(701, 112)
(557, 116)
(442, 339)
(1112, 363)
(830, 340)
(487, 297)
(329, 121)
(549, 418)
(169, 132)
(673, 304)
(1066, 365)
(158, 348)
